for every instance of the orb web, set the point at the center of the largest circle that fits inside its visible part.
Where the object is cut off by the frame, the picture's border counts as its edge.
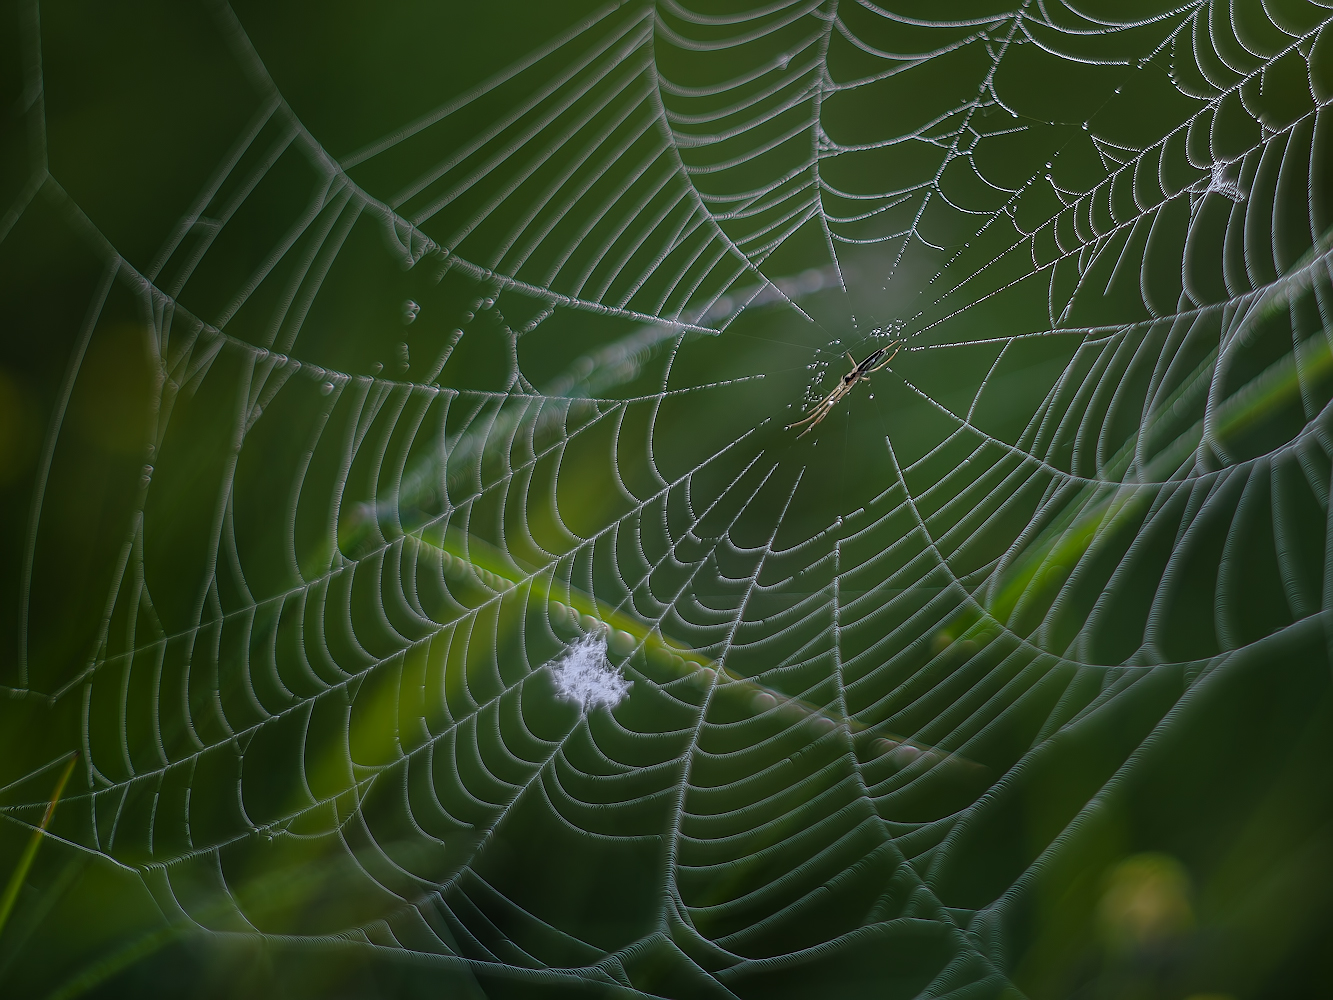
(508, 384)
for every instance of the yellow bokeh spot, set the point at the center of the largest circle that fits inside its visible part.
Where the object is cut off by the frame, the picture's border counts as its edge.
(1146, 903)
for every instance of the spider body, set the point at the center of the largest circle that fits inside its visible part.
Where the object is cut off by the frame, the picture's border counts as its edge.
(861, 372)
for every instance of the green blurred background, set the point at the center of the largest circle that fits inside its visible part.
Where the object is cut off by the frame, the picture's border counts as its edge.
(359, 359)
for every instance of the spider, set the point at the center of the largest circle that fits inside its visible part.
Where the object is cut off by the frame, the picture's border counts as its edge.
(859, 373)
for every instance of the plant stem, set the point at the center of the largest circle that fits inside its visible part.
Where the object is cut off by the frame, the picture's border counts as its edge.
(35, 841)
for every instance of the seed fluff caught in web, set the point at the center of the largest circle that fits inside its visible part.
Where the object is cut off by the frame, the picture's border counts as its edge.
(585, 676)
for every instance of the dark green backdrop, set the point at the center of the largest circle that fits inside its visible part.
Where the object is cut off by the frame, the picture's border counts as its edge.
(359, 359)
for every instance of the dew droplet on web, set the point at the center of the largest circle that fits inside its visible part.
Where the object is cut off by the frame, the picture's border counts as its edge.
(622, 643)
(326, 388)
(904, 754)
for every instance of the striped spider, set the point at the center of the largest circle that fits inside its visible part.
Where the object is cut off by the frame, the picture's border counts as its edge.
(859, 373)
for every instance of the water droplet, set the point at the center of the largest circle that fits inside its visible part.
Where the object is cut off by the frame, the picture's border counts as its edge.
(904, 754)
(326, 388)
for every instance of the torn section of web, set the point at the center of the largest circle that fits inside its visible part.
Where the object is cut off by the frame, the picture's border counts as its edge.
(585, 676)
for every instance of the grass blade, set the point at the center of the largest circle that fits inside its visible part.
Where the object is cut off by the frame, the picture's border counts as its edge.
(35, 841)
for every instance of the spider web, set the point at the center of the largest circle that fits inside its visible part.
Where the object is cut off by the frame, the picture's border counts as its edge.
(372, 434)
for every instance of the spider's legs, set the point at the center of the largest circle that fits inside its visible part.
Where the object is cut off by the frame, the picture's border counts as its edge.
(819, 410)
(804, 420)
(818, 413)
(815, 423)
(811, 418)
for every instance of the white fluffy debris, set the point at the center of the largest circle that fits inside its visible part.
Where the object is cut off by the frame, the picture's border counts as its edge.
(584, 676)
